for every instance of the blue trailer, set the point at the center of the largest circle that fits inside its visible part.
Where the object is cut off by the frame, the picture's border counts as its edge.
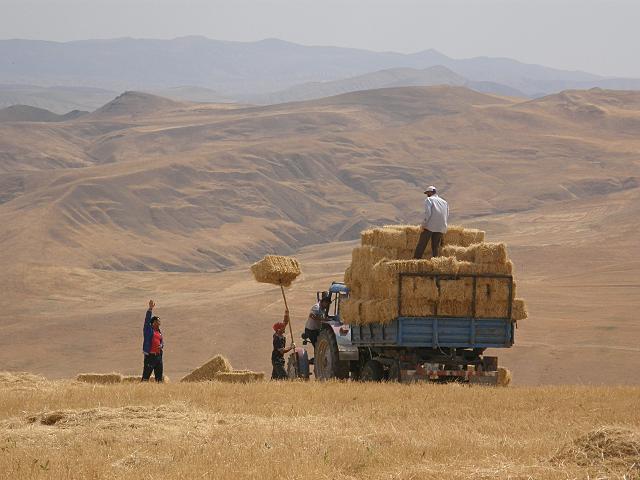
(410, 348)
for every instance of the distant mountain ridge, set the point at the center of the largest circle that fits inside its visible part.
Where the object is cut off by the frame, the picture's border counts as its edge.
(390, 78)
(237, 69)
(27, 113)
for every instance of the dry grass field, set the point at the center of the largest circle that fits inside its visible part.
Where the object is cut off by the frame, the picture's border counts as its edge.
(67, 430)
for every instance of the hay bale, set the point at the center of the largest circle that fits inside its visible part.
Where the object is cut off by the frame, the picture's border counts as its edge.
(459, 289)
(494, 253)
(276, 270)
(20, 379)
(350, 311)
(519, 310)
(131, 378)
(612, 448)
(376, 311)
(454, 308)
(491, 309)
(464, 254)
(99, 378)
(239, 376)
(208, 370)
(417, 307)
(504, 377)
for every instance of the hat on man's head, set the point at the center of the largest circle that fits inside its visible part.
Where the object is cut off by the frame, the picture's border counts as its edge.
(278, 326)
(430, 189)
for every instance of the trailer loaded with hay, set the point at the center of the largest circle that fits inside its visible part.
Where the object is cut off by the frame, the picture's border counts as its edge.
(401, 319)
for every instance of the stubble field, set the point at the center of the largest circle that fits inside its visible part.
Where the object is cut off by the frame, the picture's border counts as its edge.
(67, 430)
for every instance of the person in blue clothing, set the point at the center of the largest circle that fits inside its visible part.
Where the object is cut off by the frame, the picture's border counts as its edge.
(152, 346)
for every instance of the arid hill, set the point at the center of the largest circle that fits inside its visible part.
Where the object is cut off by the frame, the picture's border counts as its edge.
(181, 190)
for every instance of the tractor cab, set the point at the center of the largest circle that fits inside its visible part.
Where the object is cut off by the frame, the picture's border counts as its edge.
(337, 293)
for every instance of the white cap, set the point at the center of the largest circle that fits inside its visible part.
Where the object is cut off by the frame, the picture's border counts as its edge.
(430, 189)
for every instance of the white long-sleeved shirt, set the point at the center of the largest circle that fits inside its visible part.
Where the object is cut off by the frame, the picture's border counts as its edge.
(436, 214)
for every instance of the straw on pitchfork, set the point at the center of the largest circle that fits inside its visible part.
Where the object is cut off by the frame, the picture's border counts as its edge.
(277, 270)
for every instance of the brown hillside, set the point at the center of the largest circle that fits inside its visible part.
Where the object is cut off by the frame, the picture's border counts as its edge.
(159, 186)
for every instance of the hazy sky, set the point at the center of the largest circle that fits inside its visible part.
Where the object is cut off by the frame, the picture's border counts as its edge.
(597, 36)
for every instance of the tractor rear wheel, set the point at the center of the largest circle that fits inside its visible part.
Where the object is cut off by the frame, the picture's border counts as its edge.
(327, 363)
(373, 371)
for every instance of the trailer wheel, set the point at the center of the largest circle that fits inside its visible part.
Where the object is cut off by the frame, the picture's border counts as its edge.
(393, 374)
(373, 371)
(327, 363)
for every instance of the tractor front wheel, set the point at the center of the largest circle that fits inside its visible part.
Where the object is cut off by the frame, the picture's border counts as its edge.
(327, 363)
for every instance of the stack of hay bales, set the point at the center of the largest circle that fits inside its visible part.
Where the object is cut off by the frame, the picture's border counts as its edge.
(385, 252)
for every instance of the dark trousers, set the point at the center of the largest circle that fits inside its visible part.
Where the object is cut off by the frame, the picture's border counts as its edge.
(436, 240)
(152, 363)
(278, 372)
(312, 335)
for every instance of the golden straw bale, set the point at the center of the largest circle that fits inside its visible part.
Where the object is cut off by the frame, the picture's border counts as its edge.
(411, 232)
(519, 310)
(491, 308)
(425, 288)
(492, 289)
(465, 254)
(470, 236)
(377, 311)
(417, 307)
(444, 265)
(389, 238)
(239, 376)
(208, 370)
(350, 310)
(454, 308)
(276, 269)
(504, 377)
(347, 275)
(370, 311)
(366, 237)
(131, 378)
(460, 289)
(489, 252)
(101, 378)
(458, 235)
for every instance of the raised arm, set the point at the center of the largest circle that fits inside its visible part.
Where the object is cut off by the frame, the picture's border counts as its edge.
(147, 318)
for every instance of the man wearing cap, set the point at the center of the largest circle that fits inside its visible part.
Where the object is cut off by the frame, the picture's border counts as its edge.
(434, 226)
(152, 346)
(280, 348)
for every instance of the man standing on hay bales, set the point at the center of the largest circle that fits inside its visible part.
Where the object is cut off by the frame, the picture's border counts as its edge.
(152, 346)
(434, 226)
(280, 348)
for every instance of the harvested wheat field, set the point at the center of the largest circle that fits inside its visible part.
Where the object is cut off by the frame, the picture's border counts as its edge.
(312, 430)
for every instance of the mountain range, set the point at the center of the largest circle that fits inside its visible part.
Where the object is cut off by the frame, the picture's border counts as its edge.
(267, 71)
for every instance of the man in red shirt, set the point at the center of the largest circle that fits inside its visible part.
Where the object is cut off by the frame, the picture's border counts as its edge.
(152, 346)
